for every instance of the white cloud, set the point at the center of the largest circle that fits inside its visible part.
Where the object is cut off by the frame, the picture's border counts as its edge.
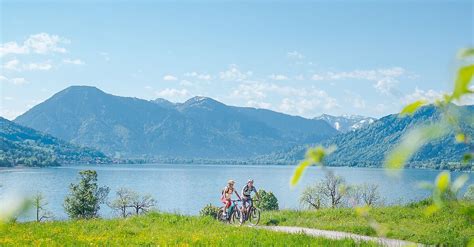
(234, 74)
(43, 43)
(294, 55)
(40, 43)
(12, 65)
(199, 76)
(74, 61)
(185, 83)
(173, 94)
(259, 104)
(355, 100)
(14, 81)
(38, 66)
(17, 66)
(299, 101)
(384, 79)
(12, 48)
(170, 78)
(419, 94)
(278, 77)
(18, 81)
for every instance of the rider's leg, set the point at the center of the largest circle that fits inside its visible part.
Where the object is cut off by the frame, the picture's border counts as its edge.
(227, 206)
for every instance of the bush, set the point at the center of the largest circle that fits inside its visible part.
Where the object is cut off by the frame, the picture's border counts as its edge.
(267, 202)
(469, 195)
(209, 210)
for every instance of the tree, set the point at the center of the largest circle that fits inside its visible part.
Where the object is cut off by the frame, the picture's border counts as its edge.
(123, 201)
(312, 196)
(209, 210)
(365, 194)
(333, 188)
(328, 192)
(39, 203)
(141, 204)
(267, 202)
(85, 198)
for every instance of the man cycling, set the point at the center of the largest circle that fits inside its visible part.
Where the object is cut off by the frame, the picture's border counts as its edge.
(247, 195)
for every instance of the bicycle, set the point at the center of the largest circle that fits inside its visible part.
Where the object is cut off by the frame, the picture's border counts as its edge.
(234, 213)
(252, 214)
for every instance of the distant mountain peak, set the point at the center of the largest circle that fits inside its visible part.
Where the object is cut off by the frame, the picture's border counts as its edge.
(201, 101)
(345, 123)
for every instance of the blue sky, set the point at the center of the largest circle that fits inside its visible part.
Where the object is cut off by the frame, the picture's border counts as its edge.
(298, 57)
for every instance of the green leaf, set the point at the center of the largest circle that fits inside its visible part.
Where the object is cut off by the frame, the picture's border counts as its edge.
(299, 172)
(411, 142)
(442, 181)
(460, 137)
(466, 157)
(461, 86)
(413, 107)
(465, 53)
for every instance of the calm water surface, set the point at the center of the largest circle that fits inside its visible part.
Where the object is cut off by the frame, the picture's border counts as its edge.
(188, 188)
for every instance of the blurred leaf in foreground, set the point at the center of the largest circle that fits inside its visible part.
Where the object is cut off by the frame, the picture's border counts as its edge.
(412, 108)
(313, 156)
(461, 86)
(411, 143)
(465, 53)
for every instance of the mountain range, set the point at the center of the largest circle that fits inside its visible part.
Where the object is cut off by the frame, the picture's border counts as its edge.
(27, 147)
(367, 147)
(202, 128)
(346, 123)
(198, 128)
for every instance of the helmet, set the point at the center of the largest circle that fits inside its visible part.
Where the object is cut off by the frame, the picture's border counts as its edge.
(231, 182)
(250, 181)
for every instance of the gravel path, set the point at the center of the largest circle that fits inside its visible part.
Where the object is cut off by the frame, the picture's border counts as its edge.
(339, 235)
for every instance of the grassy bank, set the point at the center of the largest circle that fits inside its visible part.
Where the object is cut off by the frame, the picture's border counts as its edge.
(449, 226)
(152, 229)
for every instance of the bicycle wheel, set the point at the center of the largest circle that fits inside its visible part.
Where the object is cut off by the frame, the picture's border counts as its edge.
(254, 216)
(235, 217)
(220, 215)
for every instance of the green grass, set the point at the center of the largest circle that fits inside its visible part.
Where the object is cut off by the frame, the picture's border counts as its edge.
(449, 226)
(152, 229)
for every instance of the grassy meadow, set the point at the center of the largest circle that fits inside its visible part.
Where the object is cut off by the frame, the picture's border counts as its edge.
(152, 229)
(450, 226)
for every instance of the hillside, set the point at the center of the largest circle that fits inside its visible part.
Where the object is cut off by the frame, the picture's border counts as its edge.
(368, 146)
(199, 128)
(24, 146)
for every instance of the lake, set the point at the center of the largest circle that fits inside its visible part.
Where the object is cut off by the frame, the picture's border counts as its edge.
(188, 188)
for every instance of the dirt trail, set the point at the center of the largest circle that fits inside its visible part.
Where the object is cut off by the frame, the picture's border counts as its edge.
(339, 235)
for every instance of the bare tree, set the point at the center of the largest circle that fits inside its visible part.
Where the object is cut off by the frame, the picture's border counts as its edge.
(40, 203)
(128, 199)
(370, 194)
(333, 188)
(328, 192)
(122, 202)
(312, 196)
(142, 204)
(365, 194)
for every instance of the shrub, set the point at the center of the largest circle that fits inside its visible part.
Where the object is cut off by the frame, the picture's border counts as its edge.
(469, 195)
(267, 202)
(209, 210)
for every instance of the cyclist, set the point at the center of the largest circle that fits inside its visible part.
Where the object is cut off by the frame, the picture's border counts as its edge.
(227, 195)
(247, 195)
